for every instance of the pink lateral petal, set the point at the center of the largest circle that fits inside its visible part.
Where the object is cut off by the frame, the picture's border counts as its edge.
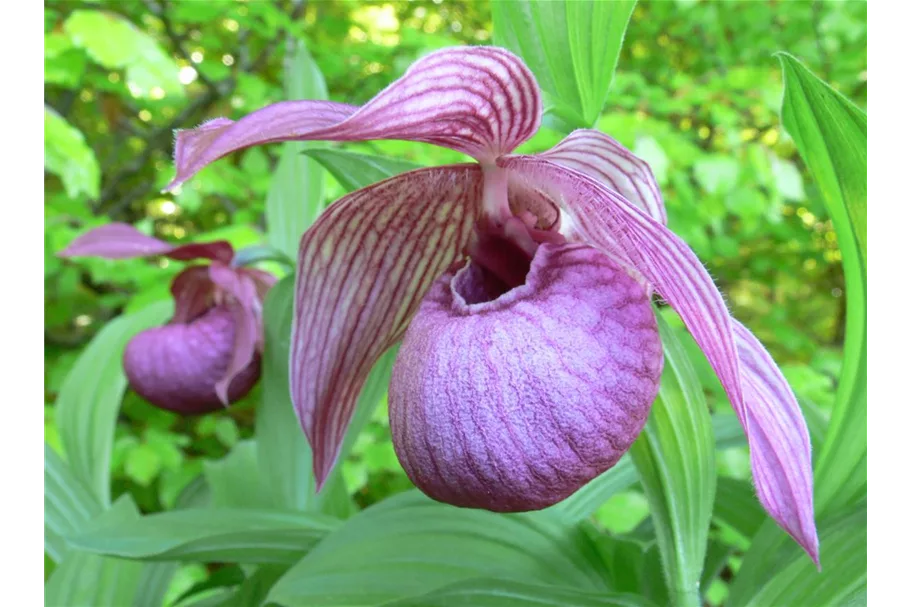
(757, 392)
(123, 241)
(115, 241)
(362, 271)
(482, 101)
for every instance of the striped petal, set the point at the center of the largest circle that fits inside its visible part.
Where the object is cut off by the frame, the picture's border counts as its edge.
(606, 160)
(123, 241)
(363, 268)
(780, 457)
(482, 101)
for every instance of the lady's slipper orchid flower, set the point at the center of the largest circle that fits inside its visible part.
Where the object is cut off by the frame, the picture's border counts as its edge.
(521, 287)
(208, 355)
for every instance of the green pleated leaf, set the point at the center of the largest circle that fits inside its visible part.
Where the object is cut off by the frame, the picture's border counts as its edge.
(624, 560)
(572, 48)
(285, 460)
(795, 580)
(675, 459)
(716, 556)
(89, 579)
(285, 464)
(831, 135)
(409, 545)
(508, 593)
(152, 587)
(354, 171)
(295, 197)
(68, 504)
(211, 535)
(89, 400)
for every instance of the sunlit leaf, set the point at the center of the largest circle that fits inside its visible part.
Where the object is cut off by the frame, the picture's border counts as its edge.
(354, 171)
(67, 155)
(571, 47)
(235, 481)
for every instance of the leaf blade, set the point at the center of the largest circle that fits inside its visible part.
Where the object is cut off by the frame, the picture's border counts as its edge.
(674, 457)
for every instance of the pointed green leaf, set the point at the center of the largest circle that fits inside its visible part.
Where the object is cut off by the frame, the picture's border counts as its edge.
(831, 135)
(211, 535)
(295, 197)
(89, 400)
(795, 580)
(675, 458)
(354, 171)
(508, 593)
(409, 545)
(571, 47)
(90, 579)
(68, 504)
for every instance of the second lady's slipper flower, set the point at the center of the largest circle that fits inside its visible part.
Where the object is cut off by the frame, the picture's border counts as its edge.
(208, 355)
(520, 287)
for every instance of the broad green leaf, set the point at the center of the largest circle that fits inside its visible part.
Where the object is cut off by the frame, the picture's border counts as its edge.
(89, 400)
(295, 197)
(285, 463)
(408, 545)
(67, 155)
(235, 481)
(736, 505)
(113, 42)
(831, 136)
(675, 459)
(90, 579)
(229, 535)
(68, 504)
(508, 593)
(795, 580)
(285, 460)
(354, 171)
(571, 47)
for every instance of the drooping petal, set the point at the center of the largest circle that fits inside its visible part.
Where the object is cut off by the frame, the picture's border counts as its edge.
(482, 101)
(193, 292)
(362, 270)
(513, 401)
(779, 442)
(123, 241)
(246, 311)
(608, 220)
(607, 161)
(176, 366)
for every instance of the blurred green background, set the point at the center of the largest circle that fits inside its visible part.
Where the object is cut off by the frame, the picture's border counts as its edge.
(697, 94)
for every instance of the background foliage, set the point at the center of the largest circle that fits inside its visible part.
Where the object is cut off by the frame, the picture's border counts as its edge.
(697, 93)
